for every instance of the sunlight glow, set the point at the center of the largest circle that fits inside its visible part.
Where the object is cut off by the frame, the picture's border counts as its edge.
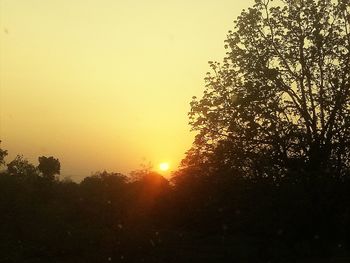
(73, 47)
(164, 166)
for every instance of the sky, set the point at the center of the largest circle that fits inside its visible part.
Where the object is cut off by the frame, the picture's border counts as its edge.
(106, 84)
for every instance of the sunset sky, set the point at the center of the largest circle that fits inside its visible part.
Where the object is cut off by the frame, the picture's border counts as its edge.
(106, 84)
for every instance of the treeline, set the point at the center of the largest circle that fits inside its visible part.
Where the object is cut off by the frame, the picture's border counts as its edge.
(200, 215)
(267, 178)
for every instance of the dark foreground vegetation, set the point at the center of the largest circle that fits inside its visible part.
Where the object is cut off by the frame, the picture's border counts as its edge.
(202, 217)
(266, 180)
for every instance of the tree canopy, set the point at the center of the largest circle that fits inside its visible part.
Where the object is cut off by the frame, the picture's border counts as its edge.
(21, 167)
(281, 98)
(276, 108)
(49, 166)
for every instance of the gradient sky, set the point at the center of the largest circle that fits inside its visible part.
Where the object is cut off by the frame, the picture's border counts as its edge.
(105, 84)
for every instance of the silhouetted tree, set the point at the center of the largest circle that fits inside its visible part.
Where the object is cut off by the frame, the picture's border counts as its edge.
(21, 167)
(49, 167)
(3, 154)
(280, 101)
(149, 188)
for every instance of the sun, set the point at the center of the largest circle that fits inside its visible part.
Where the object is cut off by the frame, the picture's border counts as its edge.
(164, 167)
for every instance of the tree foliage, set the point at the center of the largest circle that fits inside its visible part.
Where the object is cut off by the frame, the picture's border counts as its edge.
(21, 167)
(143, 218)
(281, 98)
(49, 166)
(3, 154)
(278, 105)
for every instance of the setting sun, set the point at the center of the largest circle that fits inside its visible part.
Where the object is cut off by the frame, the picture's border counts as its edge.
(164, 166)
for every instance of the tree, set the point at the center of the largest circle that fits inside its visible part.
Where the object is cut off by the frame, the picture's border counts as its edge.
(280, 101)
(3, 154)
(49, 167)
(21, 167)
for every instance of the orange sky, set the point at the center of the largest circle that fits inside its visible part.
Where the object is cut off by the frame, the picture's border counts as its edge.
(105, 84)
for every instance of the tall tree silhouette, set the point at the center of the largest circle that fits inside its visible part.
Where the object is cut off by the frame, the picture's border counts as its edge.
(281, 98)
(49, 167)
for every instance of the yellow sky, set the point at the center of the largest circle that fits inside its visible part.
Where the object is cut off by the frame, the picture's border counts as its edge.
(105, 84)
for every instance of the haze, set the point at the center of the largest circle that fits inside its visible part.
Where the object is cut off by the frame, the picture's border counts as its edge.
(105, 84)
